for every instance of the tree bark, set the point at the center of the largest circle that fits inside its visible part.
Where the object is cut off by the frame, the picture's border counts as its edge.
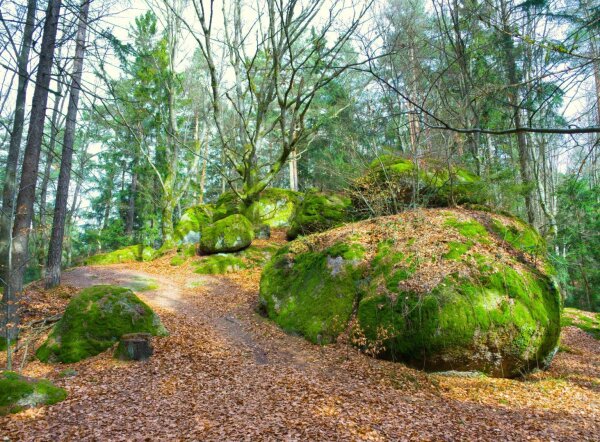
(64, 177)
(10, 183)
(31, 160)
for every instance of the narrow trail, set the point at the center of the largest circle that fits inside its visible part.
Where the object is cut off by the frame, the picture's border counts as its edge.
(225, 373)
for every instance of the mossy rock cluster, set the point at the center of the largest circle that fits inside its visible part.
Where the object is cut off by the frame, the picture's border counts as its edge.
(393, 184)
(94, 320)
(19, 392)
(437, 289)
(187, 230)
(319, 211)
(134, 253)
(229, 234)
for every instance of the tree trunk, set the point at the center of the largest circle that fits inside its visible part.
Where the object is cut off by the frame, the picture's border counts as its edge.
(31, 160)
(8, 191)
(293, 171)
(64, 177)
(513, 97)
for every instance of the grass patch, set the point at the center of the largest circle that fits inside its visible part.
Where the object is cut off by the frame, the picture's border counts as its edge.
(586, 321)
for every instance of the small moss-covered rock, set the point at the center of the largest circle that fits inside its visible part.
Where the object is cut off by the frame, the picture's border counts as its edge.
(227, 235)
(275, 207)
(187, 230)
(127, 254)
(438, 289)
(392, 184)
(18, 393)
(219, 264)
(94, 320)
(319, 211)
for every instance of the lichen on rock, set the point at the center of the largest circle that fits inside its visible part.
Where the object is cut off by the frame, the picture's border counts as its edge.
(94, 320)
(437, 289)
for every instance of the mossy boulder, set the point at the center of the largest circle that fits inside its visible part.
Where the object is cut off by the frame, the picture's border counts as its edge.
(134, 253)
(319, 211)
(94, 320)
(227, 235)
(187, 230)
(19, 392)
(393, 184)
(275, 207)
(437, 289)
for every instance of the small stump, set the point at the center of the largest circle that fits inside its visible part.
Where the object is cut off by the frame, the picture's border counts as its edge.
(134, 347)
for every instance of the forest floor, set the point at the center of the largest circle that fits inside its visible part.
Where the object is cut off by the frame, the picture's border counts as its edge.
(226, 373)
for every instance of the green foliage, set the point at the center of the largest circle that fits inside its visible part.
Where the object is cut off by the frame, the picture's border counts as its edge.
(319, 211)
(94, 320)
(392, 184)
(18, 393)
(578, 242)
(229, 234)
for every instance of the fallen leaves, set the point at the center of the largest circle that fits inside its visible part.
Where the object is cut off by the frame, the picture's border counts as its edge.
(225, 373)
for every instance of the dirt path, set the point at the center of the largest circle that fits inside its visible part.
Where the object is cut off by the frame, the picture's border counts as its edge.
(225, 373)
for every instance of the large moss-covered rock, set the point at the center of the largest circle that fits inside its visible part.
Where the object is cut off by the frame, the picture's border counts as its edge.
(94, 320)
(134, 253)
(275, 207)
(437, 289)
(392, 184)
(319, 211)
(187, 230)
(227, 235)
(19, 392)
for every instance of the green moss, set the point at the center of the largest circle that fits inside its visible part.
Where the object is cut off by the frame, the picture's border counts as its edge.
(521, 236)
(227, 235)
(275, 207)
(177, 260)
(469, 229)
(219, 264)
(317, 212)
(18, 393)
(126, 254)
(479, 308)
(228, 204)
(312, 294)
(586, 321)
(94, 320)
(504, 323)
(457, 249)
(191, 222)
